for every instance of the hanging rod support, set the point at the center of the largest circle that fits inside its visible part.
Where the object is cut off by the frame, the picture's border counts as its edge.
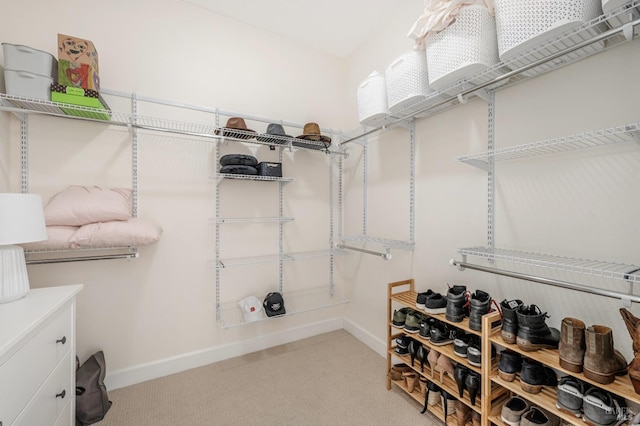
(626, 298)
(386, 255)
(128, 256)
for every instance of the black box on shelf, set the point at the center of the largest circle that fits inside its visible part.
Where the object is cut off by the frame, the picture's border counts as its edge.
(269, 169)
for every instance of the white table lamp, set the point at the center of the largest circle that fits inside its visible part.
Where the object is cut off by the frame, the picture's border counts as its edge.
(21, 221)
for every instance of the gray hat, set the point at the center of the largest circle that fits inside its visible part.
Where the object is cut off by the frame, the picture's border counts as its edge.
(274, 129)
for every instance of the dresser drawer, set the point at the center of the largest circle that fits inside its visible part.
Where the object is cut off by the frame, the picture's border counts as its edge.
(23, 374)
(66, 418)
(50, 400)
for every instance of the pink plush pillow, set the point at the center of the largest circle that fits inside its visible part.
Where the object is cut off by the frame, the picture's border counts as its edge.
(121, 233)
(80, 205)
(59, 238)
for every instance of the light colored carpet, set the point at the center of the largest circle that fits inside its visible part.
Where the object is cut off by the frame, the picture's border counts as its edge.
(329, 379)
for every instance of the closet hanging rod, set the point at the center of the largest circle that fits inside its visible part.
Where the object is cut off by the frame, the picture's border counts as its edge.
(385, 255)
(622, 29)
(549, 281)
(82, 258)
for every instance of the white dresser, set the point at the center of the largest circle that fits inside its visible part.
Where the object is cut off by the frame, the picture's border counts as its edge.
(37, 358)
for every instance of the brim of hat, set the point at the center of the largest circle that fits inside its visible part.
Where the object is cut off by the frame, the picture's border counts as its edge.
(323, 138)
(274, 139)
(280, 311)
(236, 133)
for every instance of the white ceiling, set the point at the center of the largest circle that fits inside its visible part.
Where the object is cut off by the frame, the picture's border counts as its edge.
(336, 27)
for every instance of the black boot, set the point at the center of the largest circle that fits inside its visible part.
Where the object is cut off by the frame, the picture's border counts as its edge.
(479, 304)
(533, 333)
(510, 320)
(457, 307)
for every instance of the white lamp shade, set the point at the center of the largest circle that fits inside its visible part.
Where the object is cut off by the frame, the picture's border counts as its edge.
(21, 219)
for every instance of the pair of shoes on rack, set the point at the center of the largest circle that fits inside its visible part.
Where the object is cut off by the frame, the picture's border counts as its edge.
(590, 350)
(431, 302)
(439, 364)
(442, 333)
(395, 373)
(431, 396)
(467, 379)
(518, 411)
(534, 375)
(418, 351)
(593, 404)
(407, 319)
(412, 380)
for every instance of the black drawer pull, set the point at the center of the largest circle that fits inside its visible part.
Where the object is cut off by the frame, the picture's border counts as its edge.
(61, 394)
(63, 340)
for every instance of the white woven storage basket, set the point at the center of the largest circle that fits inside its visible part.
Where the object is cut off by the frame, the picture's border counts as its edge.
(523, 24)
(372, 99)
(407, 80)
(611, 5)
(466, 47)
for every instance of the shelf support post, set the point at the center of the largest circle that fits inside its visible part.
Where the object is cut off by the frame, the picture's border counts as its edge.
(134, 155)
(24, 154)
(490, 171)
(364, 185)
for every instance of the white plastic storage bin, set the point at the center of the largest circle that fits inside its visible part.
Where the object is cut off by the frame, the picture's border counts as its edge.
(466, 47)
(372, 99)
(524, 24)
(25, 58)
(26, 84)
(407, 80)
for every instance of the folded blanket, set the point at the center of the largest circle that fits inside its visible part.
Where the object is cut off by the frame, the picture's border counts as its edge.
(438, 15)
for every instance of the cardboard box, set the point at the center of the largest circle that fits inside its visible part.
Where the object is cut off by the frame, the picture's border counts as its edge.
(81, 97)
(77, 63)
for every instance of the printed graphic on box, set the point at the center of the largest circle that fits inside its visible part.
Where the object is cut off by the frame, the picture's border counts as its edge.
(77, 63)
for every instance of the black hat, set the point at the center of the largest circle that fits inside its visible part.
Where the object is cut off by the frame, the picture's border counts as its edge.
(273, 304)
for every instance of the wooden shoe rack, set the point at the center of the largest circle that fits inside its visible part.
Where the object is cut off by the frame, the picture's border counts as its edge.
(402, 294)
(547, 398)
(495, 390)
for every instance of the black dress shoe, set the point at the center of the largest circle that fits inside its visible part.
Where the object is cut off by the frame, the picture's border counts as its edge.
(510, 364)
(460, 374)
(472, 383)
(534, 375)
(422, 356)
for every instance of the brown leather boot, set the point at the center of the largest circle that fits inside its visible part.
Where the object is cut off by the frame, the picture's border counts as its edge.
(572, 346)
(601, 361)
(633, 326)
(463, 413)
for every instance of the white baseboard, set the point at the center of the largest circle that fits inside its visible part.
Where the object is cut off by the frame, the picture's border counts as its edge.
(164, 367)
(377, 345)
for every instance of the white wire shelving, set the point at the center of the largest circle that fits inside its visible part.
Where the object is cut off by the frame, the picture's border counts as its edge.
(384, 243)
(600, 34)
(220, 176)
(254, 219)
(602, 137)
(21, 105)
(295, 302)
(275, 258)
(596, 268)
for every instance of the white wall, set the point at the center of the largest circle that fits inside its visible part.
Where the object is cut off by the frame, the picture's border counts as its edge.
(582, 204)
(161, 307)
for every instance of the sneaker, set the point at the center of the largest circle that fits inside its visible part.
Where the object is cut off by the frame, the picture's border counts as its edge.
(399, 317)
(513, 410)
(436, 304)
(402, 344)
(510, 364)
(601, 408)
(457, 304)
(412, 321)
(442, 333)
(461, 344)
(425, 327)
(422, 298)
(570, 395)
(474, 353)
